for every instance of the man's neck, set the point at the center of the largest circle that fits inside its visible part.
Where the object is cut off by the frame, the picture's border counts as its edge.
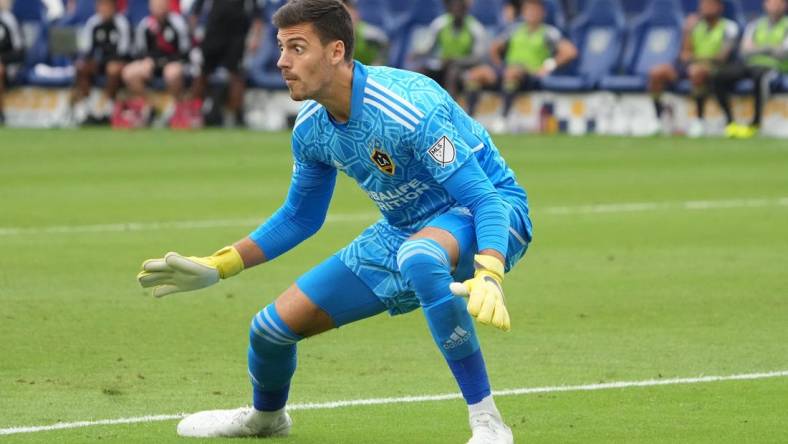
(338, 95)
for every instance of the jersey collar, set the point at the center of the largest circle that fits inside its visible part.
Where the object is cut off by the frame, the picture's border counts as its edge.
(357, 92)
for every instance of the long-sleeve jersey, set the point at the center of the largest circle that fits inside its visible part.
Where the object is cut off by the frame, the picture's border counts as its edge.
(410, 147)
(12, 50)
(106, 40)
(164, 41)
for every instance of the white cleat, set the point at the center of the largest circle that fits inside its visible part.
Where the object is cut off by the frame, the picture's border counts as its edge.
(696, 129)
(489, 428)
(238, 423)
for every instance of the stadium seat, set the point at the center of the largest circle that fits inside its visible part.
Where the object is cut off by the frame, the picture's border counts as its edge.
(409, 18)
(82, 12)
(554, 14)
(263, 72)
(488, 13)
(136, 11)
(654, 38)
(630, 7)
(373, 11)
(29, 10)
(598, 33)
(752, 9)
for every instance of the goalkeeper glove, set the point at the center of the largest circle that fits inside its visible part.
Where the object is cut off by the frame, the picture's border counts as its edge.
(485, 294)
(175, 273)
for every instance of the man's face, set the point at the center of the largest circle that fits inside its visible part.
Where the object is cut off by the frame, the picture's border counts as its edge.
(105, 9)
(710, 9)
(306, 64)
(775, 8)
(458, 9)
(158, 8)
(533, 13)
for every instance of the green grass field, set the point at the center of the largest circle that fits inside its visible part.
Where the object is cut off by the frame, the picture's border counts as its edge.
(689, 278)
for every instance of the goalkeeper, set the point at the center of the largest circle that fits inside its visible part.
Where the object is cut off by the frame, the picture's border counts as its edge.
(454, 221)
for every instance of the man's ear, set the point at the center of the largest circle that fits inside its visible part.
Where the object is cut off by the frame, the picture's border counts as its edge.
(337, 52)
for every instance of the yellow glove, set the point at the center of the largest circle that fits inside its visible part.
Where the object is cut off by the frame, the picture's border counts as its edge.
(174, 273)
(485, 293)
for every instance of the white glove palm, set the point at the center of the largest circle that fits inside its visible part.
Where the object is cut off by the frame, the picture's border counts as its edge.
(175, 273)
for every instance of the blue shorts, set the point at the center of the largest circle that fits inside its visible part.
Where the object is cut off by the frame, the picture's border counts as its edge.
(363, 279)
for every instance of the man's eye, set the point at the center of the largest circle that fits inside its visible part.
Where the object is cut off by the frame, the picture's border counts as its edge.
(298, 49)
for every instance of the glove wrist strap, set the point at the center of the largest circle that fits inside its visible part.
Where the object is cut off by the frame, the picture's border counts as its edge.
(489, 265)
(228, 261)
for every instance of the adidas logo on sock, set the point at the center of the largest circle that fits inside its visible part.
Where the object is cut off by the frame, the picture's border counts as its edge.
(458, 337)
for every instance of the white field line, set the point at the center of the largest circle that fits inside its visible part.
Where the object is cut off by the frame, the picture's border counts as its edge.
(364, 217)
(411, 399)
(369, 217)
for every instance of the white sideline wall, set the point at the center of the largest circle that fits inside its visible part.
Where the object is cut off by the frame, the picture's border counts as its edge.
(582, 113)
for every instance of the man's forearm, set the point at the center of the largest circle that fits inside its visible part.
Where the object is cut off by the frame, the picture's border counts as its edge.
(250, 252)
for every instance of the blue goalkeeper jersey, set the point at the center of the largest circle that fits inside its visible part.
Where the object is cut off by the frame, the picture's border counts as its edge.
(404, 138)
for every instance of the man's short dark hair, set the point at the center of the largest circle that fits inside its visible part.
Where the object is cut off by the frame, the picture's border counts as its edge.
(329, 17)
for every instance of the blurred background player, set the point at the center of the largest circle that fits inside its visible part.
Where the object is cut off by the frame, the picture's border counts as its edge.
(526, 52)
(372, 43)
(233, 28)
(763, 56)
(455, 42)
(161, 45)
(106, 37)
(12, 50)
(709, 39)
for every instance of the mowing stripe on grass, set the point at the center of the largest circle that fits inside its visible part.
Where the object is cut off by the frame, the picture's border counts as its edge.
(369, 217)
(422, 398)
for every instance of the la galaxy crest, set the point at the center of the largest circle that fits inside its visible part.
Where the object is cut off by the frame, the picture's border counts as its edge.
(381, 159)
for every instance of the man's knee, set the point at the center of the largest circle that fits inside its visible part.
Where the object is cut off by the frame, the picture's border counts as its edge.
(114, 69)
(425, 264)
(300, 314)
(173, 72)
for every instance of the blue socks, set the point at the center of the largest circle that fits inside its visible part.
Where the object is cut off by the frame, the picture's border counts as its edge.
(425, 266)
(272, 359)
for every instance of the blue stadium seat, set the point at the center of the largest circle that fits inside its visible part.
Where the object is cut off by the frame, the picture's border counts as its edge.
(488, 12)
(630, 7)
(554, 14)
(598, 33)
(654, 38)
(82, 12)
(136, 10)
(783, 84)
(373, 11)
(45, 70)
(408, 18)
(752, 9)
(29, 10)
(263, 72)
